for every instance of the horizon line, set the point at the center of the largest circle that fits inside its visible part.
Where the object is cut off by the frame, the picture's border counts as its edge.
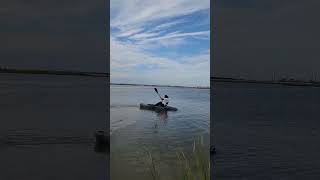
(161, 85)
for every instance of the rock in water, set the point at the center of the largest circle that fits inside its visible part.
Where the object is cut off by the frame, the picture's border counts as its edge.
(102, 143)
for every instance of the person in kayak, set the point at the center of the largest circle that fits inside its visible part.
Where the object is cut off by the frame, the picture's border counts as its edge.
(164, 101)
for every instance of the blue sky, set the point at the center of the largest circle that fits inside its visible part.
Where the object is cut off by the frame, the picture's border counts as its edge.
(160, 42)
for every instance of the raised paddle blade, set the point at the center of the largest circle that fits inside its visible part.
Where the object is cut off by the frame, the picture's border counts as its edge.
(157, 92)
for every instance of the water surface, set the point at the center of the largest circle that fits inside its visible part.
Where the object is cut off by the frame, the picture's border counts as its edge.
(47, 126)
(266, 131)
(135, 131)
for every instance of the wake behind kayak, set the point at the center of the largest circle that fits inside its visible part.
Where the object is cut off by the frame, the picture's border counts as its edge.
(152, 107)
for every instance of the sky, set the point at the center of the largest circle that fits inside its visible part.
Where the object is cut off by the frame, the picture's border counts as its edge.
(54, 34)
(163, 42)
(160, 42)
(256, 38)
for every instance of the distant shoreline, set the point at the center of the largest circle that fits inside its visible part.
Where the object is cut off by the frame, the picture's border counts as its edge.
(53, 72)
(290, 82)
(278, 82)
(154, 85)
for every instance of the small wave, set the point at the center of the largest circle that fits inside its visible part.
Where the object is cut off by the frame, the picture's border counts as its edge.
(119, 124)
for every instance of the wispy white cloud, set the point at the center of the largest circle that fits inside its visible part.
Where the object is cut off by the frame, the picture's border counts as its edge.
(143, 36)
(167, 25)
(129, 32)
(147, 25)
(125, 57)
(204, 34)
(133, 16)
(135, 12)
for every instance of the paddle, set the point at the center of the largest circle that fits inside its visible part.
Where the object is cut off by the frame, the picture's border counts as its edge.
(155, 89)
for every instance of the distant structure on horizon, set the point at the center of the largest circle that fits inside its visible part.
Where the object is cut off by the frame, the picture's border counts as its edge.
(313, 77)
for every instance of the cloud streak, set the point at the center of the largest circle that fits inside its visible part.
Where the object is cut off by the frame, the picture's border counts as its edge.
(159, 42)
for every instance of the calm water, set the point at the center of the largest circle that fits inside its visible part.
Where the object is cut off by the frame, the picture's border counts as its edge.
(47, 126)
(135, 131)
(266, 132)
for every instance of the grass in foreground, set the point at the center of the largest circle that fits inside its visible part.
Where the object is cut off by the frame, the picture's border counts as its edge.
(195, 167)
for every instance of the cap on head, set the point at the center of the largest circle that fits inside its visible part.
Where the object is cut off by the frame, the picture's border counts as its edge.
(166, 96)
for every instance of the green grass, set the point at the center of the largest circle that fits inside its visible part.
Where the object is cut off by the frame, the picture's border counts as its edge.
(194, 166)
(154, 172)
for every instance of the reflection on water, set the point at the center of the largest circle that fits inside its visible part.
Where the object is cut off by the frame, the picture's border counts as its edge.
(163, 115)
(163, 134)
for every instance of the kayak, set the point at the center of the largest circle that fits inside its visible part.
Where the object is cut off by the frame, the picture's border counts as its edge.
(157, 108)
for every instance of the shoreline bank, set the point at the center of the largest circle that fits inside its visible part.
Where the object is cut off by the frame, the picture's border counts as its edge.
(53, 72)
(284, 83)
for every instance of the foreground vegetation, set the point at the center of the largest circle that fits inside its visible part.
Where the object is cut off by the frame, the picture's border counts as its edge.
(193, 167)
